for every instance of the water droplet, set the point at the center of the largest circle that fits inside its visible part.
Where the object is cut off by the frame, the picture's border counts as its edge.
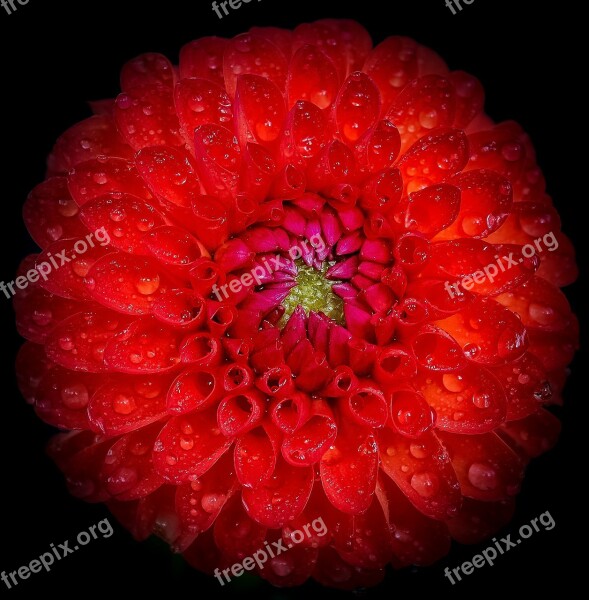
(42, 317)
(148, 285)
(100, 178)
(543, 315)
(544, 392)
(139, 449)
(54, 232)
(124, 405)
(523, 378)
(428, 119)
(418, 450)
(186, 443)
(67, 207)
(117, 214)
(66, 343)
(135, 358)
(472, 225)
(145, 224)
(482, 477)
(124, 101)
(75, 396)
(81, 267)
(512, 151)
(471, 350)
(425, 484)
(453, 383)
(481, 400)
(212, 502)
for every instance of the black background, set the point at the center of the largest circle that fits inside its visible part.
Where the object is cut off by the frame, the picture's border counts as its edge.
(56, 54)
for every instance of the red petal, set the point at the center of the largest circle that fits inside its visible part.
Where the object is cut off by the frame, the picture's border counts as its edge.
(485, 204)
(62, 398)
(431, 209)
(66, 278)
(203, 58)
(535, 434)
(423, 472)
(282, 498)
(145, 346)
(105, 175)
(147, 69)
(169, 173)
(416, 539)
(198, 102)
(236, 533)
(128, 219)
(348, 471)
(392, 65)
(259, 110)
(126, 283)
(253, 54)
(470, 98)
(188, 446)
(78, 343)
(424, 104)
(39, 312)
(145, 116)
(487, 332)
(194, 389)
(200, 502)
(357, 107)
(126, 403)
(435, 350)
(471, 400)
(526, 385)
(218, 159)
(346, 42)
(312, 77)
(435, 157)
(31, 366)
(128, 472)
(51, 214)
(499, 149)
(239, 413)
(478, 521)
(486, 467)
(89, 139)
(255, 456)
(309, 443)
(332, 571)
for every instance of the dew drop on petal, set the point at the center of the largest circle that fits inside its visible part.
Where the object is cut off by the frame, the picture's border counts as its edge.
(482, 477)
(425, 484)
(124, 405)
(75, 396)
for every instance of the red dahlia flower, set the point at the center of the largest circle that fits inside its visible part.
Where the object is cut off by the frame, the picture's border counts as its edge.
(383, 378)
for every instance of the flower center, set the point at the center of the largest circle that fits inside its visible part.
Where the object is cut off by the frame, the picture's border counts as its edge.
(313, 292)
